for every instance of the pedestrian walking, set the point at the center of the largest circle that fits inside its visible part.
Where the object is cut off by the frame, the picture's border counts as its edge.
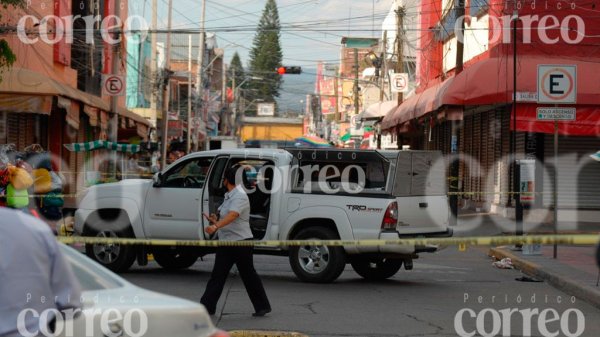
(35, 277)
(233, 224)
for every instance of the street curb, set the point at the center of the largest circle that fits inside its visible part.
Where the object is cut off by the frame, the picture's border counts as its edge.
(584, 292)
(258, 333)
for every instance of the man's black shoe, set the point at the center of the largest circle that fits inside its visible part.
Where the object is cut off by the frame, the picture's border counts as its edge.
(261, 313)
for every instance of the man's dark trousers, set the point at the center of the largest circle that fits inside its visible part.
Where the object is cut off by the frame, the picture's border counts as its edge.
(225, 258)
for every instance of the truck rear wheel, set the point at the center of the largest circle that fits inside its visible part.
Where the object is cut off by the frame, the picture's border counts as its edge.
(376, 268)
(172, 258)
(115, 257)
(317, 264)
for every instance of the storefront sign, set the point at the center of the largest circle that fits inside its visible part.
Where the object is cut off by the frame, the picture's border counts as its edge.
(527, 96)
(527, 183)
(556, 114)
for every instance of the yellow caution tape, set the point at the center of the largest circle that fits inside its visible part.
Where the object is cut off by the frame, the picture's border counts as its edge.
(562, 239)
(256, 333)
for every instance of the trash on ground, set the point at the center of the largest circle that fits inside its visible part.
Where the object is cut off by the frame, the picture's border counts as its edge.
(505, 263)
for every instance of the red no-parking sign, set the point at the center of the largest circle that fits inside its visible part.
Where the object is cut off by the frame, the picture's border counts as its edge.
(113, 85)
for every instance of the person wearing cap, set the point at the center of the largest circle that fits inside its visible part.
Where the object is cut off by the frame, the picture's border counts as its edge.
(233, 224)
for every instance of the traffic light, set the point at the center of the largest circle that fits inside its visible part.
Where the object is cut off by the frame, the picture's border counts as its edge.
(289, 70)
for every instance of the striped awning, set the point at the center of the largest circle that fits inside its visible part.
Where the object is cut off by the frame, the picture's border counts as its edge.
(102, 144)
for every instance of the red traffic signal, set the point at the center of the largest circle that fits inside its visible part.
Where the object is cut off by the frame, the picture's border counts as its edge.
(289, 70)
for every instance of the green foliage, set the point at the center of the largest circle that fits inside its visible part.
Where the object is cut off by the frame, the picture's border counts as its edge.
(266, 55)
(7, 57)
(238, 71)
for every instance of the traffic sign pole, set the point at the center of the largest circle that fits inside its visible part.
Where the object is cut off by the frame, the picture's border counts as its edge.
(557, 84)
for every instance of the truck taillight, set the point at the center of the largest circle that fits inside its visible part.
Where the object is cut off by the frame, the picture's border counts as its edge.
(390, 219)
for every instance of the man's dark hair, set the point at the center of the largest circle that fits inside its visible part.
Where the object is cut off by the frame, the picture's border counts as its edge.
(232, 172)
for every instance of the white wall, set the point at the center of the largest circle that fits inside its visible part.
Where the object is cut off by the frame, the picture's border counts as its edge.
(476, 42)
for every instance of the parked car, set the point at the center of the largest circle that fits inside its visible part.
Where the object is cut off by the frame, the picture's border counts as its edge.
(345, 194)
(103, 291)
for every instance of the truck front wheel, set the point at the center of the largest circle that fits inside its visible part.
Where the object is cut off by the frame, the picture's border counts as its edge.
(375, 268)
(315, 263)
(173, 258)
(115, 257)
(109, 224)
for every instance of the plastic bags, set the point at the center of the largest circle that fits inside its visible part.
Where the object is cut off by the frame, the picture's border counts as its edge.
(16, 198)
(42, 181)
(19, 178)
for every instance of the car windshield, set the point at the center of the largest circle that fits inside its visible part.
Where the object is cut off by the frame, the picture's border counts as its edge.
(90, 275)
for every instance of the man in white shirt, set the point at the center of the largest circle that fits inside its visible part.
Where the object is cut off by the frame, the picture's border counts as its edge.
(233, 225)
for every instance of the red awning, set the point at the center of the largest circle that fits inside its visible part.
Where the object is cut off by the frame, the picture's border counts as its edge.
(418, 105)
(491, 81)
(586, 124)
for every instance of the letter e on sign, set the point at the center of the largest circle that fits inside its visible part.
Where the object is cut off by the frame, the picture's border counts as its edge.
(400, 82)
(557, 84)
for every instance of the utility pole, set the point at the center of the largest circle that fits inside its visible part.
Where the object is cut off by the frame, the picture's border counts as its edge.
(199, 81)
(234, 108)
(399, 58)
(166, 89)
(382, 67)
(455, 125)
(382, 74)
(356, 98)
(153, 62)
(400, 46)
(189, 101)
(116, 61)
(338, 117)
(223, 89)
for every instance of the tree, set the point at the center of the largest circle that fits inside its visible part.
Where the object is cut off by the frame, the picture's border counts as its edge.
(7, 57)
(238, 71)
(266, 55)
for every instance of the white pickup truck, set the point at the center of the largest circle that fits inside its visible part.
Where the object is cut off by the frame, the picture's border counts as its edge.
(294, 194)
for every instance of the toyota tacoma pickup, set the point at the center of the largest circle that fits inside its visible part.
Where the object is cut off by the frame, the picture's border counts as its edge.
(295, 194)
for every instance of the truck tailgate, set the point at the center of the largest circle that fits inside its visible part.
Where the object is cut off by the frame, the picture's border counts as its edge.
(422, 214)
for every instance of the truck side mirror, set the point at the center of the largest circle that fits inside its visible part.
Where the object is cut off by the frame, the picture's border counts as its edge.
(157, 179)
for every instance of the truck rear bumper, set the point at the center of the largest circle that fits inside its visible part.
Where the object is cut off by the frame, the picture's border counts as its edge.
(394, 249)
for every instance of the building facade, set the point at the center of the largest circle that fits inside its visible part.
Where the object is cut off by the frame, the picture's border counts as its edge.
(478, 100)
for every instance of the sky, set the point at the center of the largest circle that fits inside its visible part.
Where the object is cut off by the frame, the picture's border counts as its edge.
(311, 29)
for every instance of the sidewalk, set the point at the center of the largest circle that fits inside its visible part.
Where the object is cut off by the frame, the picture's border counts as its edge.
(574, 271)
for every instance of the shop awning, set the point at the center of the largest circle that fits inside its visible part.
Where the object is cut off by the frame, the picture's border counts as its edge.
(21, 81)
(102, 144)
(24, 90)
(491, 81)
(417, 106)
(378, 110)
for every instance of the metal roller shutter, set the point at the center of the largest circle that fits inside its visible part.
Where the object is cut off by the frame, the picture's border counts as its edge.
(477, 138)
(578, 174)
(487, 155)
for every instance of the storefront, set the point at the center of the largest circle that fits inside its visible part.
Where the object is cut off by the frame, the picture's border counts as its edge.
(35, 109)
(486, 127)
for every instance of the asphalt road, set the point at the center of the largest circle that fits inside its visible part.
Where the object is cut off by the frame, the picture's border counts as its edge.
(421, 302)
